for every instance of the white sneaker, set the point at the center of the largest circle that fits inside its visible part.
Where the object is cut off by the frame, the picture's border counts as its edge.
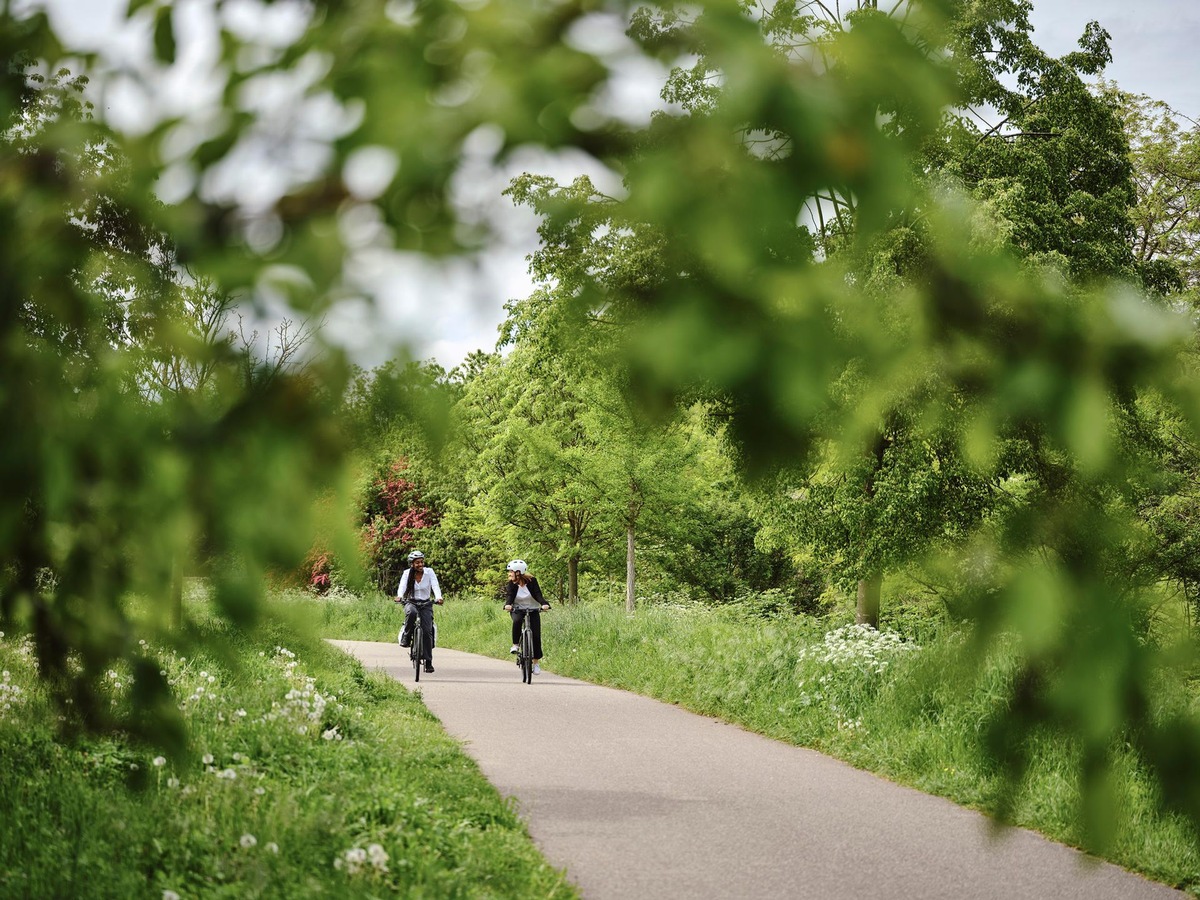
(537, 670)
(513, 649)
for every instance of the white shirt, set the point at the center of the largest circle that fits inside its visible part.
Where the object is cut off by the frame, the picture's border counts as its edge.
(423, 588)
(524, 599)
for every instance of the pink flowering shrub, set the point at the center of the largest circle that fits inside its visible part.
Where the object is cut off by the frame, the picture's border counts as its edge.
(319, 566)
(393, 517)
(321, 573)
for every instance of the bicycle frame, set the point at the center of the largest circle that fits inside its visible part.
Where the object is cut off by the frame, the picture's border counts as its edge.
(525, 649)
(416, 651)
(416, 648)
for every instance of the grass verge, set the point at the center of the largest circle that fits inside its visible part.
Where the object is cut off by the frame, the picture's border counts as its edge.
(306, 777)
(912, 714)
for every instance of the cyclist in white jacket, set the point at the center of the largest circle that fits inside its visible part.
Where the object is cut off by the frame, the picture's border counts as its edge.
(418, 591)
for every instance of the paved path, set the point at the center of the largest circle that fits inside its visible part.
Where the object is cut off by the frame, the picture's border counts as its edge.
(639, 799)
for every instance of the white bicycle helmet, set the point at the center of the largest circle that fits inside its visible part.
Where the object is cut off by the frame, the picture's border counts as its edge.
(416, 554)
(518, 566)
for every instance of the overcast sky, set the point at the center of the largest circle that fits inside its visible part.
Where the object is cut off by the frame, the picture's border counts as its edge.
(1155, 51)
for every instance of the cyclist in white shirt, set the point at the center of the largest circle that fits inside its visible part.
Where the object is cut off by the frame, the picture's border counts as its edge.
(418, 591)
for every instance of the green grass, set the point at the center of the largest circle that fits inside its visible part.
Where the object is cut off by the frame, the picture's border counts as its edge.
(365, 764)
(306, 777)
(913, 716)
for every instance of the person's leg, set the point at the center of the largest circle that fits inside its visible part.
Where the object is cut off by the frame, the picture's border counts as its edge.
(427, 630)
(410, 617)
(535, 625)
(516, 625)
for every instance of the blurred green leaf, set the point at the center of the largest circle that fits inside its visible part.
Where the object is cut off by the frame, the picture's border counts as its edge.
(164, 35)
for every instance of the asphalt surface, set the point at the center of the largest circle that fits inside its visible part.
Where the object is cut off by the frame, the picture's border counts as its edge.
(640, 799)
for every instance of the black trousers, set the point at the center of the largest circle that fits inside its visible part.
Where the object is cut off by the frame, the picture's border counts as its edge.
(535, 625)
(425, 612)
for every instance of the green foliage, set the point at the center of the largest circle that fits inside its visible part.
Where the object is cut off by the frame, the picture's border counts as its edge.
(304, 776)
(394, 519)
(1165, 154)
(927, 359)
(121, 485)
(812, 239)
(526, 420)
(1055, 168)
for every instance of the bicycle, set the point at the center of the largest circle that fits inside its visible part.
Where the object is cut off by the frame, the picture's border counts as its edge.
(416, 647)
(525, 649)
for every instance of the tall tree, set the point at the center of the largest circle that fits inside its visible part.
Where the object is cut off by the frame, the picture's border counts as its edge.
(1164, 150)
(537, 444)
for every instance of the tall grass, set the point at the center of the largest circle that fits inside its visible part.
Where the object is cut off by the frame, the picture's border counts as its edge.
(306, 776)
(914, 713)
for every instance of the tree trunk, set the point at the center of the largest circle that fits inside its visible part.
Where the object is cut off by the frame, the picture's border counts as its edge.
(630, 579)
(870, 588)
(867, 611)
(176, 599)
(576, 526)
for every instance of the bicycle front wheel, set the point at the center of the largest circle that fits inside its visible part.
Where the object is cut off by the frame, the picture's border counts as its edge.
(527, 656)
(418, 651)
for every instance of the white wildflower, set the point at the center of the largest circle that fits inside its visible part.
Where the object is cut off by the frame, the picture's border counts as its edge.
(378, 857)
(248, 841)
(355, 858)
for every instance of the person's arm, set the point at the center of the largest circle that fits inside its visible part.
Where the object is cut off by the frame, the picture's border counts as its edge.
(435, 589)
(403, 585)
(536, 590)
